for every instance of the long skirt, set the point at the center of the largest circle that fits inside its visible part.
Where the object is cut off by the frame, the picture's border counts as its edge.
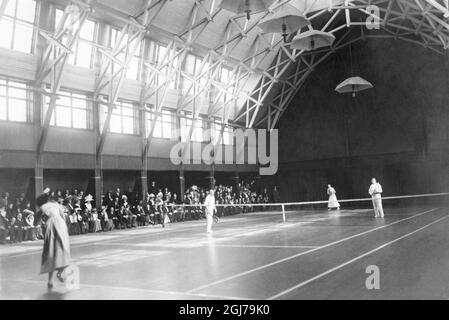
(95, 226)
(75, 228)
(108, 225)
(333, 202)
(56, 253)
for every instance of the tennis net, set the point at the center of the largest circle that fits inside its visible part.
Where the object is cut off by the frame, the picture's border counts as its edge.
(290, 210)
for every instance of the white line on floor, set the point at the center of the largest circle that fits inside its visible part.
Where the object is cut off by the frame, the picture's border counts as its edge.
(83, 285)
(306, 252)
(353, 260)
(140, 245)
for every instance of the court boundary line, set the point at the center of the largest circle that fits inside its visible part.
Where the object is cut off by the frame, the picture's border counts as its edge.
(117, 236)
(342, 265)
(238, 275)
(170, 292)
(142, 245)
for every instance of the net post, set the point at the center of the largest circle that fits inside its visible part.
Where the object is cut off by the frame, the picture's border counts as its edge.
(283, 213)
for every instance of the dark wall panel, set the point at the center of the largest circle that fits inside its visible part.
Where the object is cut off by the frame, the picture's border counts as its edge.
(398, 130)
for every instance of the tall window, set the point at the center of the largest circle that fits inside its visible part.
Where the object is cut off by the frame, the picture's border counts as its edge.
(198, 129)
(122, 118)
(164, 124)
(71, 110)
(193, 68)
(17, 25)
(228, 133)
(14, 101)
(135, 62)
(226, 80)
(159, 52)
(83, 49)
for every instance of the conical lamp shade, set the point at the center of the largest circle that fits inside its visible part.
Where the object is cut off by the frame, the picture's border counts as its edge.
(287, 20)
(353, 85)
(311, 40)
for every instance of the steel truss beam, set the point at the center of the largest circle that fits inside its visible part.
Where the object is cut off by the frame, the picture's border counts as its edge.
(131, 36)
(59, 45)
(417, 21)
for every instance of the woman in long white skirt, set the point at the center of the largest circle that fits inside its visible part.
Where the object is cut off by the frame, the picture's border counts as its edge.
(333, 202)
(56, 252)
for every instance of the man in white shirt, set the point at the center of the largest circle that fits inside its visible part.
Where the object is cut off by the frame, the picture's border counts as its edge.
(375, 191)
(209, 203)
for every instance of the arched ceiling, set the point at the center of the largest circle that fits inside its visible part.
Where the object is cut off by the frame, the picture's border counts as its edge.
(266, 72)
(423, 22)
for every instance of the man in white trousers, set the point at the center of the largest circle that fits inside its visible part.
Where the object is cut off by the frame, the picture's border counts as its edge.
(375, 191)
(209, 203)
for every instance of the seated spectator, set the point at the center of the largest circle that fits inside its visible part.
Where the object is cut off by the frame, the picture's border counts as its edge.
(130, 216)
(3, 222)
(31, 229)
(106, 218)
(175, 208)
(75, 218)
(17, 225)
(121, 218)
(142, 218)
(84, 221)
(95, 223)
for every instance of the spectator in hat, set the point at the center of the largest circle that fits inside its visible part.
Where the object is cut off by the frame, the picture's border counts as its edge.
(31, 229)
(88, 202)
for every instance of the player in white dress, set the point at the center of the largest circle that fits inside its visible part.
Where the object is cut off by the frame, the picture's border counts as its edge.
(333, 202)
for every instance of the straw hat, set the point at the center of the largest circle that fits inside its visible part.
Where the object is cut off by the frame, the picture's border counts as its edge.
(88, 198)
(151, 195)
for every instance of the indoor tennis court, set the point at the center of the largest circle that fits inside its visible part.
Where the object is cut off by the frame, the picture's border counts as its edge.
(315, 254)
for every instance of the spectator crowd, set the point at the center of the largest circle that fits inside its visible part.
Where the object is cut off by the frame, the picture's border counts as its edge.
(121, 210)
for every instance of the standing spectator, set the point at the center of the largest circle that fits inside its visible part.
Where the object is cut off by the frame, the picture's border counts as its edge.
(152, 188)
(117, 195)
(108, 200)
(161, 210)
(276, 197)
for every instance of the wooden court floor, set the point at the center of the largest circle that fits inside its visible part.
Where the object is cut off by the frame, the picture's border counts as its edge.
(313, 255)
